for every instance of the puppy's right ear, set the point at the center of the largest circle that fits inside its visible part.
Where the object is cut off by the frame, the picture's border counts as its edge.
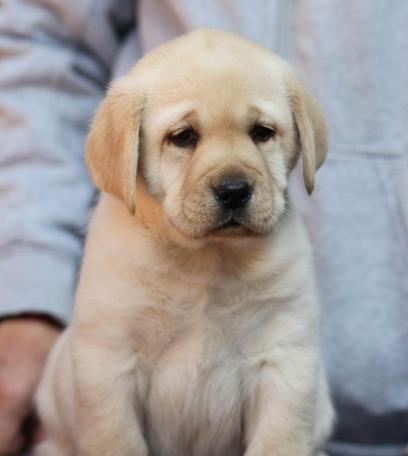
(112, 144)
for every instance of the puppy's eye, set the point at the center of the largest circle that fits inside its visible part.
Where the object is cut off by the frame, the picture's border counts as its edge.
(261, 133)
(185, 138)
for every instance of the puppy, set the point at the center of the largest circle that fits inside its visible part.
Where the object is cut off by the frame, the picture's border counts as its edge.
(195, 331)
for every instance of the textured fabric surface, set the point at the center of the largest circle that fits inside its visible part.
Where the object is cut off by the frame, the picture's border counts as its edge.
(56, 58)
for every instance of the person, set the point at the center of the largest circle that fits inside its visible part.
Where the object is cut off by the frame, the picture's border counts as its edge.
(56, 59)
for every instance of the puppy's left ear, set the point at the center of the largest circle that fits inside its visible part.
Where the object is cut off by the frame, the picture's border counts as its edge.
(312, 130)
(112, 145)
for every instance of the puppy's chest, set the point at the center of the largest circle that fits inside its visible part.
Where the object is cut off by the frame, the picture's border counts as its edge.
(196, 393)
(194, 402)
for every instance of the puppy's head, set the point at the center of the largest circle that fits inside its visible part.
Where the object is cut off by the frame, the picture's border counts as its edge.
(212, 124)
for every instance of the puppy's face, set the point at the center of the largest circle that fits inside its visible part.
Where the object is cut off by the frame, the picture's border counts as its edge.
(217, 148)
(219, 123)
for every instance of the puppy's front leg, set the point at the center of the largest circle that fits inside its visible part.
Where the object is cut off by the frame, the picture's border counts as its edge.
(106, 380)
(279, 416)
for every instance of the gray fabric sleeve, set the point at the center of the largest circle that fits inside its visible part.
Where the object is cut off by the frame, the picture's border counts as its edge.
(55, 61)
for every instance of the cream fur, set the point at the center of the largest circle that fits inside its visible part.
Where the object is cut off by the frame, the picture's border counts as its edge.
(187, 341)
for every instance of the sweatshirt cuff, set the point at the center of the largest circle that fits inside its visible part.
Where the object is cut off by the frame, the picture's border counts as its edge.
(37, 282)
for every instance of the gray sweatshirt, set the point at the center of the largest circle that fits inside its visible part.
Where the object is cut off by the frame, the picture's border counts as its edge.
(56, 58)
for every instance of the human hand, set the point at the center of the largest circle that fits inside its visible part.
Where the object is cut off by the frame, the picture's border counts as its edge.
(24, 346)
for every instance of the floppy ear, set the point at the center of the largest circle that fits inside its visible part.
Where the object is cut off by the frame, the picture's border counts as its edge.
(312, 130)
(113, 142)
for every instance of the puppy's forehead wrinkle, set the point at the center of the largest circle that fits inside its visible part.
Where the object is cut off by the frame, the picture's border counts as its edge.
(274, 112)
(227, 87)
(172, 115)
(226, 121)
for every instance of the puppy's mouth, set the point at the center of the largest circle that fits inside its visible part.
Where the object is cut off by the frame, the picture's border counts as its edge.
(229, 225)
(232, 223)
(236, 224)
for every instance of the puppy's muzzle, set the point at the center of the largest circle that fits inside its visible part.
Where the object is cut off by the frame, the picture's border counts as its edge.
(232, 194)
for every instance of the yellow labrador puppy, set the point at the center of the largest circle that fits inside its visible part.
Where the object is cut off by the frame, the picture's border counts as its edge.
(195, 330)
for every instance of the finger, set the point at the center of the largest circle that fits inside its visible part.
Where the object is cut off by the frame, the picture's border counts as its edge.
(14, 407)
(11, 440)
(15, 395)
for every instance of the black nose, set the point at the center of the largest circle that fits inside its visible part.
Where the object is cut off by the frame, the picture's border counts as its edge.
(233, 194)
